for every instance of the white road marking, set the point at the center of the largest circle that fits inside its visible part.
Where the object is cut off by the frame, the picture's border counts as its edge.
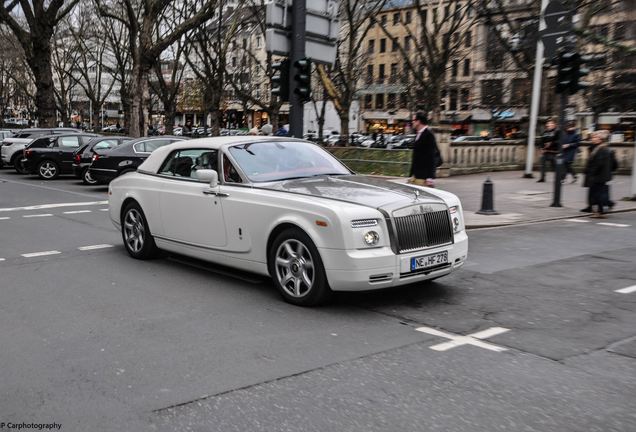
(627, 290)
(93, 247)
(49, 206)
(37, 215)
(577, 220)
(103, 209)
(4, 218)
(613, 224)
(78, 211)
(38, 254)
(2, 259)
(471, 339)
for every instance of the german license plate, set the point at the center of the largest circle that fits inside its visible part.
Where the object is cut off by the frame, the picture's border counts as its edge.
(426, 261)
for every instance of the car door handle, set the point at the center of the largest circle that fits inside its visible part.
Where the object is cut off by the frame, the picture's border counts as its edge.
(215, 193)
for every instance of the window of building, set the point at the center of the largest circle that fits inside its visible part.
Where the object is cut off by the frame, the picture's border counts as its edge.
(455, 38)
(468, 39)
(452, 99)
(233, 61)
(465, 99)
(491, 93)
(379, 101)
(466, 67)
(494, 52)
(371, 46)
(394, 72)
(601, 31)
(446, 12)
(382, 45)
(396, 18)
(620, 31)
(407, 43)
(369, 74)
(395, 46)
(404, 101)
(390, 101)
(383, 20)
(454, 68)
(381, 74)
(407, 17)
(368, 101)
(521, 89)
(424, 17)
(258, 41)
(244, 43)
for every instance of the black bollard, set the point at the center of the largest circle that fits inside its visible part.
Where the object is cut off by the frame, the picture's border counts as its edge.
(487, 199)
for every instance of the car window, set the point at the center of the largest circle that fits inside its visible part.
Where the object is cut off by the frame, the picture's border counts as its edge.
(106, 144)
(151, 145)
(230, 174)
(68, 141)
(186, 163)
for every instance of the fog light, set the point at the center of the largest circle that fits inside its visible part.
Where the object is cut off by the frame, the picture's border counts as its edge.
(371, 238)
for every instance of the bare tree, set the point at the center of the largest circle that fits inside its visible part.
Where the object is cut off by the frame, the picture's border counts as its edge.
(63, 60)
(35, 38)
(16, 80)
(152, 28)
(342, 81)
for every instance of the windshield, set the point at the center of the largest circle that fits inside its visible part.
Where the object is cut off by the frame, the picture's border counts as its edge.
(273, 161)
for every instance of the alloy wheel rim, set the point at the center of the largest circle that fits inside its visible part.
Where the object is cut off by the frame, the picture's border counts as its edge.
(295, 269)
(47, 170)
(134, 230)
(88, 178)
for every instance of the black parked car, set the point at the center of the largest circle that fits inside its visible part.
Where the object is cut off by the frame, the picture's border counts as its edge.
(52, 155)
(110, 164)
(84, 155)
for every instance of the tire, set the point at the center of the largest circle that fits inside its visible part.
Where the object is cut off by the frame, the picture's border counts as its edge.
(297, 270)
(136, 234)
(48, 170)
(87, 179)
(16, 161)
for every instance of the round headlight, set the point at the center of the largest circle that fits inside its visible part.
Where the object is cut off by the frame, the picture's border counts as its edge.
(371, 238)
(455, 223)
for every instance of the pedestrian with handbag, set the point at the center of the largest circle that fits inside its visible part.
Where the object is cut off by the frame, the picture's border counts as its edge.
(426, 156)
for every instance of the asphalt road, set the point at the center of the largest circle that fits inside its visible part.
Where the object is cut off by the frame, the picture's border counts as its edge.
(95, 340)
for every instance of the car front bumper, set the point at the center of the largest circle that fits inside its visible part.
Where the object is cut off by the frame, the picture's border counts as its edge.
(370, 269)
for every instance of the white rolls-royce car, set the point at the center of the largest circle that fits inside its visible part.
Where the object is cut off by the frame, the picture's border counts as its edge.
(288, 209)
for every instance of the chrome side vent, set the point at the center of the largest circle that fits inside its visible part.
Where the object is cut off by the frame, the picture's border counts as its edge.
(364, 223)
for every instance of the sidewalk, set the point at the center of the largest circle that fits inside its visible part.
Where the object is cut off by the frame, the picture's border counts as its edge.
(520, 200)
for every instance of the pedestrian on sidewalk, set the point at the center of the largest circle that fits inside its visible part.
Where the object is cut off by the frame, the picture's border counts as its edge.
(570, 149)
(549, 147)
(425, 153)
(598, 171)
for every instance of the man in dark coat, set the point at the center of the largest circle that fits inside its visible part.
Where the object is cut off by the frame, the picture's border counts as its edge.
(549, 147)
(425, 152)
(570, 148)
(598, 172)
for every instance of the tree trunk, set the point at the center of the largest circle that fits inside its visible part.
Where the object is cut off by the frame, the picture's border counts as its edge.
(170, 113)
(216, 116)
(344, 125)
(321, 120)
(40, 65)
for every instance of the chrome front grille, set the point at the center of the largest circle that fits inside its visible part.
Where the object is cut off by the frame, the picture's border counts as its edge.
(418, 231)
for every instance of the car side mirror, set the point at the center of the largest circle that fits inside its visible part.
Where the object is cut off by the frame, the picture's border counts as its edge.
(208, 176)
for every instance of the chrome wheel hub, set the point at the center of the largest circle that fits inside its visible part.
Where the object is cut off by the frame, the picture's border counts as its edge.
(295, 268)
(47, 170)
(134, 230)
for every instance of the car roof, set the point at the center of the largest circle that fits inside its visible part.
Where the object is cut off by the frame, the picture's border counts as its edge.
(156, 158)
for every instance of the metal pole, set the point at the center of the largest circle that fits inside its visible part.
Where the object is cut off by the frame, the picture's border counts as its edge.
(90, 114)
(536, 97)
(296, 105)
(559, 157)
(634, 175)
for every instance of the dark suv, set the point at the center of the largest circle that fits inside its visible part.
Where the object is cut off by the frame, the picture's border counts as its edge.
(52, 155)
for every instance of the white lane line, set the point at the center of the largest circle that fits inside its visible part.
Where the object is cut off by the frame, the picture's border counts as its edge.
(578, 220)
(93, 247)
(103, 209)
(38, 254)
(2, 259)
(78, 211)
(471, 339)
(627, 290)
(37, 215)
(5, 218)
(50, 206)
(613, 224)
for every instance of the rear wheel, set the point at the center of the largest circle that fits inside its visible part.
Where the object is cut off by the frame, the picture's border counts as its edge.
(16, 161)
(87, 178)
(297, 270)
(136, 234)
(48, 170)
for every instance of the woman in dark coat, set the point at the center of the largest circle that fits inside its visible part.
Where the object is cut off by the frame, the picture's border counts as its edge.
(598, 171)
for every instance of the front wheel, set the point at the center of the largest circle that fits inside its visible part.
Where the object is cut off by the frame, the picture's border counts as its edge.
(297, 270)
(48, 170)
(136, 234)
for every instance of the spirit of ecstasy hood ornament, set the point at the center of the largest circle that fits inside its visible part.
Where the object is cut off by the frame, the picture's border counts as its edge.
(417, 194)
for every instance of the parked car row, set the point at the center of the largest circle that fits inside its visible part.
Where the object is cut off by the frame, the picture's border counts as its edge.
(95, 159)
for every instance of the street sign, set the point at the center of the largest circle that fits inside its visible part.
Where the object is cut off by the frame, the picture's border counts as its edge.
(559, 26)
(322, 27)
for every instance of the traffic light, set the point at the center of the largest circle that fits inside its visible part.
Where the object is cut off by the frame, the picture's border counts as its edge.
(570, 71)
(302, 76)
(280, 80)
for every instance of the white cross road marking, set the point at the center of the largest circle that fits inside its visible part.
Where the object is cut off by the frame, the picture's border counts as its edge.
(578, 220)
(77, 211)
(38, 254)
(93, 247)
(49, 206)
(471, 339)
(37, 215)
(613, 224)
(627, 290)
